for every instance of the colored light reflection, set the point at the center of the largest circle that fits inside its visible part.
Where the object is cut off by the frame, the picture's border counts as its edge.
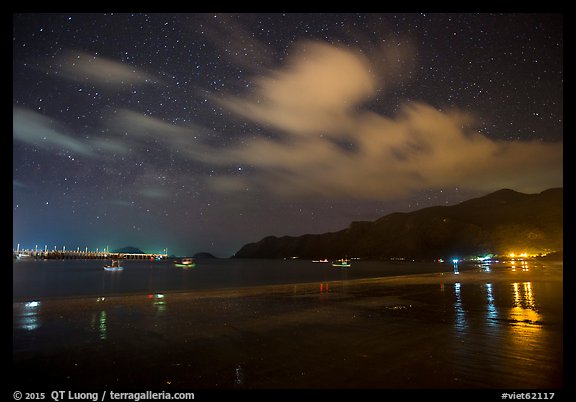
(159, 302)
(521, 265)
(524, 315)
(102, 326)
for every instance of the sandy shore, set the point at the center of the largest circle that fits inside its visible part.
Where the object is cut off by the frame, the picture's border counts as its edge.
(499, 329)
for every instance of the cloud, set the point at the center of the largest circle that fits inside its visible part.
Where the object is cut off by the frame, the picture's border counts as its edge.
(84, 67)
(155, 192)
(333, 147)
(147, 127)
(109, 145)
(316, 92)
(19, 184)
(36, 129)
(331, 144)
(141, 129)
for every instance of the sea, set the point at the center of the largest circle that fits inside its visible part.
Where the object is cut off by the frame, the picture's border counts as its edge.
(477, 326)
(76, 277)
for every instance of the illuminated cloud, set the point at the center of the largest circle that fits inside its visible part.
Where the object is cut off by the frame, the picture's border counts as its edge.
(84, 67)
(315, 93)
(334, 148)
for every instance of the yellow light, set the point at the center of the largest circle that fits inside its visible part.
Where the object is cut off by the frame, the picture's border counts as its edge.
(512, 255)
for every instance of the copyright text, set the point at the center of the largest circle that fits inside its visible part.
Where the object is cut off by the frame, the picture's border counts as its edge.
(102, 396)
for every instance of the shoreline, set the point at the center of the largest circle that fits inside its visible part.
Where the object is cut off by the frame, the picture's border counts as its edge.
(446, 277)
(226, 286)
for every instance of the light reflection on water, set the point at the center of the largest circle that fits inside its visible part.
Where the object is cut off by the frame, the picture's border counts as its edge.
(527, 331)
(508, 328)
(460, 323)
(491, 307)
(524, 312)
(98, 321)
(520, 265)
(102, 327)
(29, 319)
(159, 304)
(490, 332)
(519, 310)
(238, 375)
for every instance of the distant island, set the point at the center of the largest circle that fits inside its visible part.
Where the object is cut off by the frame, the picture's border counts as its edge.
(128, 250)
(499, 223)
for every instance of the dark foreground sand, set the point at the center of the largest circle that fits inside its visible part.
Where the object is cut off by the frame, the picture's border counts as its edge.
(497, 329)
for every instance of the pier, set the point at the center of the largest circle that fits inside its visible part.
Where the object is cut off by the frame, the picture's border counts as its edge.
(88, 255)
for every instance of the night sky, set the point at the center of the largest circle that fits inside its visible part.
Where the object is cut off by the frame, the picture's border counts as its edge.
(204, 132)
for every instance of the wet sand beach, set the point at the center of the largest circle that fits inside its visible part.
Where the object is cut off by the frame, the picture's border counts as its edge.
(495, 329)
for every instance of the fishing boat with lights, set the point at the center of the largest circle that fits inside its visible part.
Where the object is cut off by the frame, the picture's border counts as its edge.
(185, 263)
(343, 262)
(114, 265)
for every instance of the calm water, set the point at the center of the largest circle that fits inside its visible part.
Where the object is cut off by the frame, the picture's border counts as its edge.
(65, 278)
(494, 326)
